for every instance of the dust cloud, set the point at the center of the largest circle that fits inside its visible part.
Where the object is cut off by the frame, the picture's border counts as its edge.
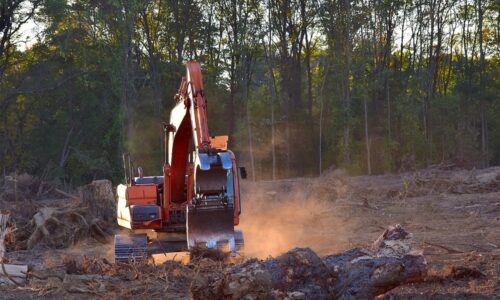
(91, 248)
(279, 216)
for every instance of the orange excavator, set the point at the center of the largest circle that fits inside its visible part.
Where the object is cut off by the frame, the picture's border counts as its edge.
(196, 203)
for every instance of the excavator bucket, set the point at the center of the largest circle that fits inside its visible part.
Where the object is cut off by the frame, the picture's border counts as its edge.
(210, 227)
(210, 218)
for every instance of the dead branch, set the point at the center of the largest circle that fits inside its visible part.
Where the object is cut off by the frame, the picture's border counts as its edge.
(450, 250)
(67, 194)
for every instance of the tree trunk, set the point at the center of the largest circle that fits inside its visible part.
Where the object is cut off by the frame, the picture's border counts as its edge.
(274, 93)
(273, 89)
(310, 122)
(367, 140)
(321, 97)
(484, 127)
(247, 75)
(9, 274)
(347, 88)
(250, 139)
(66, 149)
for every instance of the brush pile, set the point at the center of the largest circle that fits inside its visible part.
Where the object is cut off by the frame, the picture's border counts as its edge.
(438, 179)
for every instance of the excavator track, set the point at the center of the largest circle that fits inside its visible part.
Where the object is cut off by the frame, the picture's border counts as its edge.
(131, 247)
(135, 247)
(239, 242)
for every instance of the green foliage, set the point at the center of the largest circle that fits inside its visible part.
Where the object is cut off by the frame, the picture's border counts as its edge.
(100, 80)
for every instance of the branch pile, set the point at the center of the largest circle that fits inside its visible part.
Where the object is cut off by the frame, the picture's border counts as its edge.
(45, 215)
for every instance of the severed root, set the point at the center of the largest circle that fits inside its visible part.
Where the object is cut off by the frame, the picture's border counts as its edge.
(97, 232)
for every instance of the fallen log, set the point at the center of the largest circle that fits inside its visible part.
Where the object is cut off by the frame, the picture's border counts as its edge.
(13, 274)
(4, 218)
(15, 270)
(391, 261)
(302, 274)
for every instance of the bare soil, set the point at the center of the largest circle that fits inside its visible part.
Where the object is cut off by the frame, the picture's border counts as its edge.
(454, 216)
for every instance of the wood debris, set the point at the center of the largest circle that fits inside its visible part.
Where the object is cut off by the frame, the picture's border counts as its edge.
(9, 273)
(302, 274)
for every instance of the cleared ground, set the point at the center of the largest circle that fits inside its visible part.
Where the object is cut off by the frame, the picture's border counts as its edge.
(454, 216)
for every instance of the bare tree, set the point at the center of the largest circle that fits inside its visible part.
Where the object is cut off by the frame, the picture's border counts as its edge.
(483, 114)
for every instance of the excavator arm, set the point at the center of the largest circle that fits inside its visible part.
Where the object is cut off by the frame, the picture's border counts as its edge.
(188, 130)
(212, 207)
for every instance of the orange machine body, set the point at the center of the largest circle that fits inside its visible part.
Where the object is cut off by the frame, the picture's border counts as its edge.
(160, 202)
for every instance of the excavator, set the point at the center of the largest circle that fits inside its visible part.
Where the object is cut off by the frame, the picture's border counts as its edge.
(196, 202)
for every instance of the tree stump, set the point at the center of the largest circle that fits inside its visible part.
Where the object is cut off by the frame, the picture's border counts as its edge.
(99, 198)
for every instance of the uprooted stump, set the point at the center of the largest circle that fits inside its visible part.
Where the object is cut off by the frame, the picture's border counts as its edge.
(302, 274)
(63, 227)
(368, 273)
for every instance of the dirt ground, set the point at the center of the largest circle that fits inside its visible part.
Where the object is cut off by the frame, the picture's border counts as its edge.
(454, 216)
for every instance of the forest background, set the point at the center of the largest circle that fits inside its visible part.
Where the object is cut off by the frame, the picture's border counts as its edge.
(300, 86)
